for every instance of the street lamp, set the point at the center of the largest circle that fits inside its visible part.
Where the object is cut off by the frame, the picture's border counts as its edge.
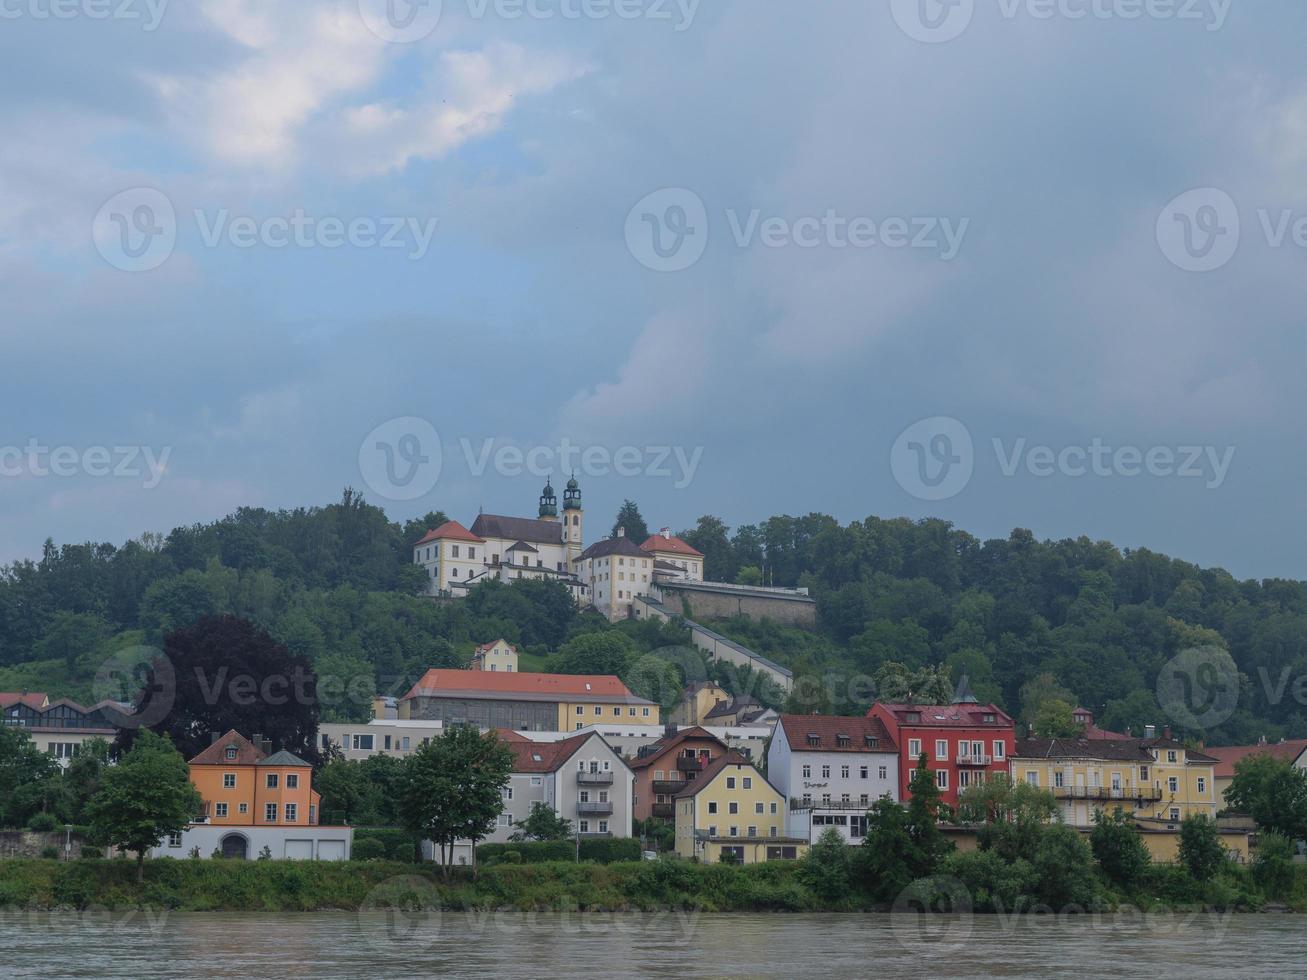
(68, 841)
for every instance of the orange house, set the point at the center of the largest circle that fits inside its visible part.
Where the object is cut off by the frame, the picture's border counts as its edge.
(244, 786)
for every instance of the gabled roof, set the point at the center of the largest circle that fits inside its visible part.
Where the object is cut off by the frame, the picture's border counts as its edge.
(284, 758)
(518, 529)
(493, 643)
(523, 546)
(531, 756)
(613, 546)
(523, 686)
(32, 699)
(828, 729)
(949, 715)
(669, 742)
(216, 754)
(1228, 755)
(693, 787)
(450, 531)
(671, 543)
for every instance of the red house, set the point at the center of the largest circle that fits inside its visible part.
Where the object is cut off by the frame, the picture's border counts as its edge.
(963, 742)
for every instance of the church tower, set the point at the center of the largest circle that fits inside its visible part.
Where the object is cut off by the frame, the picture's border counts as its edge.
(548, 503)
(573, 520)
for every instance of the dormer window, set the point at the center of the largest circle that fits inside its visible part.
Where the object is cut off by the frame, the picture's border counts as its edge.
(843, 740)
(872, 741)
(914, 717)
(990, 718)
(814, 738)
(231, 752)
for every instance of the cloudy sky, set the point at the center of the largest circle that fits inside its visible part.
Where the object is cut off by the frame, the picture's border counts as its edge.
(1010, 263)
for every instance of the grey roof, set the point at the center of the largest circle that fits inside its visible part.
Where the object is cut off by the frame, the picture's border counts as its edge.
(523, 546)
(283, 758)
(614, 546)
(518, 529)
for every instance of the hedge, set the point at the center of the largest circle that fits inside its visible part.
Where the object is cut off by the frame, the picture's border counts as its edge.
(603, 850)
(396, 842)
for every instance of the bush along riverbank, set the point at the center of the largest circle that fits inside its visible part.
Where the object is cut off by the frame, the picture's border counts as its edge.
(962, 883)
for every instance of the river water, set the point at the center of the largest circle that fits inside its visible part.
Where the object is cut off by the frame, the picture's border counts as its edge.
(511, 945)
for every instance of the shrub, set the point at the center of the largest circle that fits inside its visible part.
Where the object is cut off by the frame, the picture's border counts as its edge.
(1273, 867)
(51, 853)
(43, 823)
(369, 849)
(1118, 848)
(1201, 850)
(265, 854)
(92, 853)
(399, 844)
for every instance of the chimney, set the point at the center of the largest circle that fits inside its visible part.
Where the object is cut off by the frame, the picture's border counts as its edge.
(666, 532)
(621, 531)
(1166, 733)
(1150, 731)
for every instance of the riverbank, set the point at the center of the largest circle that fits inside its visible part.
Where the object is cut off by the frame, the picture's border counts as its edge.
(301, 886)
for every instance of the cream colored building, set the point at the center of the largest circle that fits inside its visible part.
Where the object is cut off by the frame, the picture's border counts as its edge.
(615, 571)
(497, 657)
(675, 558)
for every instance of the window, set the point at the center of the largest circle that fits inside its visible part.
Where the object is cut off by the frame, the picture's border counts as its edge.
(1000, 749)
(1170, 756)
(735, 832)
(598, 711)
(773, 808)
(403, 744)
(292, 780)
(292, 810)
(272, 780)
(1032, 777)
(454, 552)
(175, 840)
(844, 772)
(712, 806)
(807, 772)
(733, 807)
(941, 778)
(753, 831)
(535, 781)
(825, 772)
(1143, 773)
(730, 782)
(646, 712)
(603, 826)
(270, 812)
(914, 748)
(231, 752)
(758, 808)
(244, 808)
(1058, 779)
(883, 772)
(941, 749)
(1175, 813)
(863, 772)
(748, 782)
(585, 796)
(1173, 784)
(712, 830)
(507, 792)
(363, 742)
(580, 710)
(228, 780)
(1202, 784)
(220, 809)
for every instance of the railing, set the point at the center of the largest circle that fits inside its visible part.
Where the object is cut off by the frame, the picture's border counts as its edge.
(595, 778)
(592, 808)
(1141, 793)
(668, 786)
(975, 760)
(664, 809)
(685, 764)
(858, 805)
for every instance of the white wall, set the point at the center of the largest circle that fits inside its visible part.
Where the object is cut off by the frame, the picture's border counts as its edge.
(286, 843)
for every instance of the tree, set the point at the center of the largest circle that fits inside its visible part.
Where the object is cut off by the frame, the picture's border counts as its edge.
(1201, 850)
(710, 536)
(827, 869)
(630, 521)
(83, 776)
(145, 797)
(345, 789)
(223, 674)
(69, 636)
(924, 813)
(1065, 867)
(1273, 792)
(1054, 719)
(748, 575)
(896, 683)
(1273, 866)
(29, 778)
(543, 823)
(609, 652)
(1011, 816)
(1118, 848)
(453, 789)
(889, 859)
(1035, 692)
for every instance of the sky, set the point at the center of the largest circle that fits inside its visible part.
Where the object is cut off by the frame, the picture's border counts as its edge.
(1020, 263)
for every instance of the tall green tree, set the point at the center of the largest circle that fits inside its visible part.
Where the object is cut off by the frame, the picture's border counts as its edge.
(1054, 718)
(1273, 792)
(543, 823)
(30, 779)
(925, 811)
(609, 652)
(453, 789)
(630, 521)
(1118, 848)
(145, 797)
(1201, 850)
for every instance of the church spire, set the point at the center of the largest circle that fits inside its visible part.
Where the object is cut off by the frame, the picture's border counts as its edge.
(548, 503)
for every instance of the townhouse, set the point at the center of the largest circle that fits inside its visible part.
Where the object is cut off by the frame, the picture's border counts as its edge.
(59, 728)
(830, 770)
(731, 813)
(663, 769)
(964, 742)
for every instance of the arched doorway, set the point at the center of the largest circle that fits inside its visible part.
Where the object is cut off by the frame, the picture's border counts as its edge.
(235, 846)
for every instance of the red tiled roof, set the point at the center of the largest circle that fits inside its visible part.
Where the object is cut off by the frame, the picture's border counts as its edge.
(491, 644)
(671, 543)
(529, 756)
(490, 684)
(32, 700)
(950, 715)
(828, 730)
(664, 745)
(450, 531)
(216, 754)
(1228, 755)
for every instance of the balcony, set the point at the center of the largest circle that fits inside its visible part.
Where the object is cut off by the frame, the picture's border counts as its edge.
(668, 787)
(685, 764)
(595, 778)
(594, 809)
(1143, 794)
(975, 760)
(859, 806)
(667, 810)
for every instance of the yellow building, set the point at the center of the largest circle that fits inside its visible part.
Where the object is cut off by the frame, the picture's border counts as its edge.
(497, 657)
(698, 699)
(732, 809)
(1155, 778)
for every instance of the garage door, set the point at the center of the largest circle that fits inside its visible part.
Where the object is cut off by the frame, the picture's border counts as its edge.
(331, 850)
(299, 850)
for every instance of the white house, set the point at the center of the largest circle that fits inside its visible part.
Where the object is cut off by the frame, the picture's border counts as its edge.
(398, 737)
(615, 570)
(675, 560)
(831, 770)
